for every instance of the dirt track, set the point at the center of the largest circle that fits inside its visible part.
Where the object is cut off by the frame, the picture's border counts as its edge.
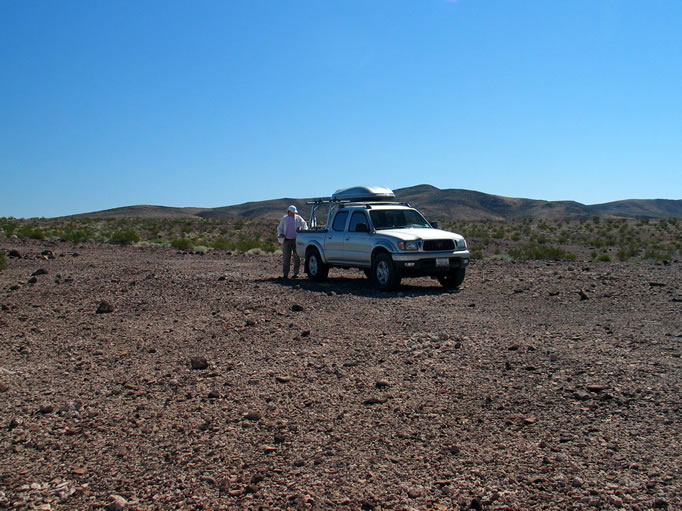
(516, 392)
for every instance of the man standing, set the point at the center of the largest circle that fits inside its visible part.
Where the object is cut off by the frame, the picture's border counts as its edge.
(286, 232)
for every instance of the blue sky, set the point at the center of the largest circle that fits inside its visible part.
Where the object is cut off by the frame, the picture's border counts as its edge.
(212, 103)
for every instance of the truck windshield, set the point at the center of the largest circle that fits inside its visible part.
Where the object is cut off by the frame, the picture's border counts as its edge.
(397, 219)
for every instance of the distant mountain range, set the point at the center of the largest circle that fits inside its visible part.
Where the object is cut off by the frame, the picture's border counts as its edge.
(436, 204)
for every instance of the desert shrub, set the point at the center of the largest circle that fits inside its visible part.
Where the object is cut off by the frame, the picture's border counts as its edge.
(476, 253)
(657, 254)
(248, 244)
(627, 252)
(30, 231)
(269, 246)
(3, 261)
(76, 236)
(604, 258)
(223, 244)
(125, 237)
(9, 227)
(182, 243)
(536, 251)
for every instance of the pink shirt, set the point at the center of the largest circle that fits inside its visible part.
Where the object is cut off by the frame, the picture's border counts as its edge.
(290, 231)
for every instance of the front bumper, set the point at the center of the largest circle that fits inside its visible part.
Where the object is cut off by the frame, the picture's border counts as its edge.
(432, 263)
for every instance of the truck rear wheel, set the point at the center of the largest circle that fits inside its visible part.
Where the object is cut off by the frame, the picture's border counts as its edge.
(314, 266)
(453, 279)
(384, 272)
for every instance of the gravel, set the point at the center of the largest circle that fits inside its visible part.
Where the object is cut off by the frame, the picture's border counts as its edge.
(209, 383)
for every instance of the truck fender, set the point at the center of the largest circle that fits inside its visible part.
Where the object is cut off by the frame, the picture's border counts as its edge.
(381, 247)
(316, 244)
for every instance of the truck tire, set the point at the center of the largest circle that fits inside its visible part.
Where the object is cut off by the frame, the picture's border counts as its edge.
(384, 272)
(314, 266)
(453, 279)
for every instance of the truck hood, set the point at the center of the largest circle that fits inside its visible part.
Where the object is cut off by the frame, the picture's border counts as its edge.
(420, 233)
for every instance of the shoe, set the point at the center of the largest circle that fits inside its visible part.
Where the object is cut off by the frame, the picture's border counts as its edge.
(295, 276)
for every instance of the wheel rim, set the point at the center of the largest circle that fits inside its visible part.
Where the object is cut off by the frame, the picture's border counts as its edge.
(312, 265)
(383, 272)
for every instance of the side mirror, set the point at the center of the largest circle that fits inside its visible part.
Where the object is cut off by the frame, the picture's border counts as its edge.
(434, 225)
(362, 228)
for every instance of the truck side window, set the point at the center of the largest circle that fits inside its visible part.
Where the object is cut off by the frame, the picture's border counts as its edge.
(340, 221)
(358, 218)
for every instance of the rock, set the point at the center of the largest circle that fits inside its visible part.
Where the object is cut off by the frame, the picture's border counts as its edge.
(380, 384)
(3, 387)
(374, 401)
(250, 322)
(476, 505)
(581, 395)
(615, 501)
(41, 271)
(117, 503)
(283, 379)
(45, 409)
(48, 254)
(656, 284)
(14, 254)
(253, 415)
(596, 387)
(578, 482)
(583, 295)
(214, 394)
(199, 363)
(32, 280)
(104, 308)
(297, 308)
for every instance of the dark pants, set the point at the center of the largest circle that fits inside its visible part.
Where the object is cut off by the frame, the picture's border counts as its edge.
(289, 248)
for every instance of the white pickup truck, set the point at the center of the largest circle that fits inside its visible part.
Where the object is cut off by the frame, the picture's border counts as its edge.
(367, 229)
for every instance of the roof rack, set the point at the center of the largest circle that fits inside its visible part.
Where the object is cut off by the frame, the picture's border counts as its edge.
(367, 194)
(356, 194)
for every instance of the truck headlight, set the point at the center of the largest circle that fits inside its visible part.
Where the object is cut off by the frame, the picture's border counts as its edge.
(408, 245)
(462, 244)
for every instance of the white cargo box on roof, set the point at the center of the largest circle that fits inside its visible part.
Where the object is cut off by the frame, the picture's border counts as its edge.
(364, 194)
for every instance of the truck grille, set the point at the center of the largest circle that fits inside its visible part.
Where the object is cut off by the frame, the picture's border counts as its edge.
(435, 245)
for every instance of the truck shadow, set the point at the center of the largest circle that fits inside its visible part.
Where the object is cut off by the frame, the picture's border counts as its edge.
(362, 286)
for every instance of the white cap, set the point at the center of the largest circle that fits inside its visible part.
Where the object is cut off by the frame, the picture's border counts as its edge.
(293, 209)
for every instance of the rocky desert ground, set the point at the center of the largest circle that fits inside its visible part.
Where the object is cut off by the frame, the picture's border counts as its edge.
(152, 379)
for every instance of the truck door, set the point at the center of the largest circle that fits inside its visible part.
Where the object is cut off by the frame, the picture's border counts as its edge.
(357, 245)
(333, 245)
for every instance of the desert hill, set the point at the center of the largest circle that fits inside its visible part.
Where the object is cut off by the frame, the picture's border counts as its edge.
(435, 203)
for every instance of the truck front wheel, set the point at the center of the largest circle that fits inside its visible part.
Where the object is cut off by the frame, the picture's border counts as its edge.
(453, 279)
(314, 266)
(384, 272)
